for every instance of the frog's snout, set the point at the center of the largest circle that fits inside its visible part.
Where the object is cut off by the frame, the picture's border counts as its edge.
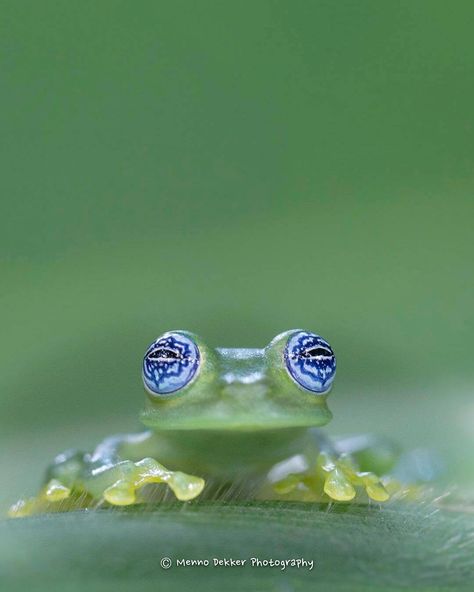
(240, 387)
(254, 378)
(242, 371)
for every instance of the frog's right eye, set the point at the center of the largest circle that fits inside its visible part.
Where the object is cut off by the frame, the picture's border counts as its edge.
(170, 363)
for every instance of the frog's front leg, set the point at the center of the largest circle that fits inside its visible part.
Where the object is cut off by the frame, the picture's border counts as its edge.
(330, 471)
(114, 473)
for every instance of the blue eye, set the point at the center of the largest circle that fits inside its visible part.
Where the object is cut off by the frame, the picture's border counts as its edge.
(170, 363)
(310, 361)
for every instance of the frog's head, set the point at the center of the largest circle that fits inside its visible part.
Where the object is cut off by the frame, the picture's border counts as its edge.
(191, 386)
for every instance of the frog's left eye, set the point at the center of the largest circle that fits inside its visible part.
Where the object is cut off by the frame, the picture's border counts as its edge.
(310, 361)
(170, 363)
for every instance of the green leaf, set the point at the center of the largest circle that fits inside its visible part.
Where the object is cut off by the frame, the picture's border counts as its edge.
(397, 547)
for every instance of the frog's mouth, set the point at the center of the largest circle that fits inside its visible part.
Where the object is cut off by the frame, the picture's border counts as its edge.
(242, 424)
(243, 411)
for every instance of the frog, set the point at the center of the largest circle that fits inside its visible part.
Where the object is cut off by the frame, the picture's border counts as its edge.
(246, 423)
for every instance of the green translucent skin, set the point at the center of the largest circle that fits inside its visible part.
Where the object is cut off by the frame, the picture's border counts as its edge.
(242, 425)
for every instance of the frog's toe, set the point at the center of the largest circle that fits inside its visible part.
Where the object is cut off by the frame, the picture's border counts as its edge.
(374, 487)
(22, 508)
(338, 487)
(184, 486)
(288, 484)
(121, 493)
(55, 491)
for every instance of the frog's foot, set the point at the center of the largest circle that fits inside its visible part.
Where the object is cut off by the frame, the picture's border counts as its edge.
(342, 479)
(117, 484)
(336, 477)
(53, 491)
(133, 476)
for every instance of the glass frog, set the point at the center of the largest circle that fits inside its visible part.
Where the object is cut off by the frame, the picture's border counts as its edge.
(238, 422)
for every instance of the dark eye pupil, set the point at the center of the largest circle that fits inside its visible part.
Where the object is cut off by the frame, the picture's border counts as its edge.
(164, 353)
(315, 353)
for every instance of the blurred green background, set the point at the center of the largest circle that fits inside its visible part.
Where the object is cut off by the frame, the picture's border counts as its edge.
(235, 169)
